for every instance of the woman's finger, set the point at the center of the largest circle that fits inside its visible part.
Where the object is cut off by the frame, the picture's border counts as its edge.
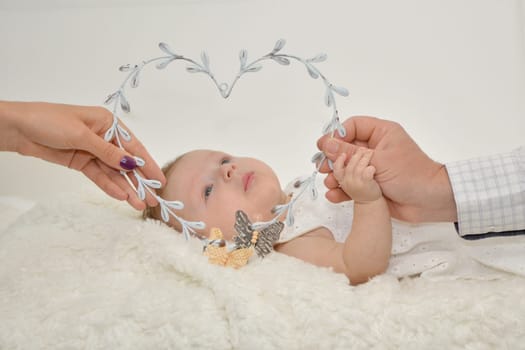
(151, 170)
(115, 157)
(124, 182)
(93, 172)
(121, 182)
(98, 120)
(82, 160)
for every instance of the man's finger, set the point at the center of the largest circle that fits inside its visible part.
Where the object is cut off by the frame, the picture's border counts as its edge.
(359, 128)
(331, 182)
(361, 131)
(334, 147)
(337, 196)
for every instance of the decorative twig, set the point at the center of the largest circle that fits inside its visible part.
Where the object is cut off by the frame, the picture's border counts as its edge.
(167, 208)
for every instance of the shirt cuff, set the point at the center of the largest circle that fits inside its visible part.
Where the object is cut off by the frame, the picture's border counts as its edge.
(489, 193)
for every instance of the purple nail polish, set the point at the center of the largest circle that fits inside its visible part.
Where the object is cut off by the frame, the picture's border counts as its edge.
(128, 163)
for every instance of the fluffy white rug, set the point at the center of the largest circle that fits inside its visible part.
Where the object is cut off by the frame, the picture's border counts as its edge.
(87, 273)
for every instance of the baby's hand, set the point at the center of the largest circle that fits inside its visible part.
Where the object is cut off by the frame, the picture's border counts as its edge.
(357, 177)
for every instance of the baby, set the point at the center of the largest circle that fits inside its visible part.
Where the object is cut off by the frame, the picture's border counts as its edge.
(357, 238)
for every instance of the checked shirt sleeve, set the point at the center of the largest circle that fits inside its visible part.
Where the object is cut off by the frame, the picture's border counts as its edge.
(489, 192)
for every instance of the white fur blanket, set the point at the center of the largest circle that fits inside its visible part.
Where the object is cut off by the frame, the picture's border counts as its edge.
(86, 272)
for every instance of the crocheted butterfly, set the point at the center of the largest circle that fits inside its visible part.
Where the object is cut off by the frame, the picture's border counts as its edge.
(263, 240)
(219, 254)
(246, 241)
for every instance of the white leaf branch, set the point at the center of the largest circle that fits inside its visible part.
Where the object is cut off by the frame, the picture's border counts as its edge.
(144, 186)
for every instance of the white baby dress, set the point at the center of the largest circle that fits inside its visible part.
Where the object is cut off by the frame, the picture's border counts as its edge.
(433, 250)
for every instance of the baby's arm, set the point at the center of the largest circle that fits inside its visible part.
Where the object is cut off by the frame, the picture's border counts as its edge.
(367, 249)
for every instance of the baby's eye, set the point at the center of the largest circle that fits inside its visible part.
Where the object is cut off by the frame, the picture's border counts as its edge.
(225, 160)
(207, 191)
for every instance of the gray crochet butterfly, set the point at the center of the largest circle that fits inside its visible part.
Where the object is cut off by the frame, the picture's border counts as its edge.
(265, 237)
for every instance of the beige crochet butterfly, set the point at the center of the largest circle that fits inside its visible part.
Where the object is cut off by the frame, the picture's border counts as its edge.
(246, 242)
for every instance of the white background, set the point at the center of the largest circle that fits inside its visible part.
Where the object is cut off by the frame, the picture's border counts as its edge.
(451, 72)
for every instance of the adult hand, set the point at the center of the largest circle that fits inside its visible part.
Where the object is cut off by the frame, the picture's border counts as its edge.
(416, 187)
(72, 136)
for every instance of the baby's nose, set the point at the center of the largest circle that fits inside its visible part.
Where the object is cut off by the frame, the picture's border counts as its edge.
(227, 170)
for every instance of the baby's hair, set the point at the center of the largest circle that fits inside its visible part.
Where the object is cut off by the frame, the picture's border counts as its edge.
(154, 212)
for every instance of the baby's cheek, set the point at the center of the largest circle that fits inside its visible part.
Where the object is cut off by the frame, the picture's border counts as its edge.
(228, 234)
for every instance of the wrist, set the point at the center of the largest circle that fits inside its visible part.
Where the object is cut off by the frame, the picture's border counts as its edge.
(440, 198)
(370, 206)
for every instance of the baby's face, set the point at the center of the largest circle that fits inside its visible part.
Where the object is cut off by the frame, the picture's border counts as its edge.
(213, 185)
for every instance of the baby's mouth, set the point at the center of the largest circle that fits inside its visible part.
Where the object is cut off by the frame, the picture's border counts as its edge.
(247, 179)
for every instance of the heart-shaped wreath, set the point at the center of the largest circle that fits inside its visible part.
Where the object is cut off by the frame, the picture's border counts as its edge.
(117, 134)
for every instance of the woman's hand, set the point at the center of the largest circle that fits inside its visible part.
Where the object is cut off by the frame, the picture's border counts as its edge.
(73, 136)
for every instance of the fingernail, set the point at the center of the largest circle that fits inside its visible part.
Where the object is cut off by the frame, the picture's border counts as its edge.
(332, 146)
(128, 163)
